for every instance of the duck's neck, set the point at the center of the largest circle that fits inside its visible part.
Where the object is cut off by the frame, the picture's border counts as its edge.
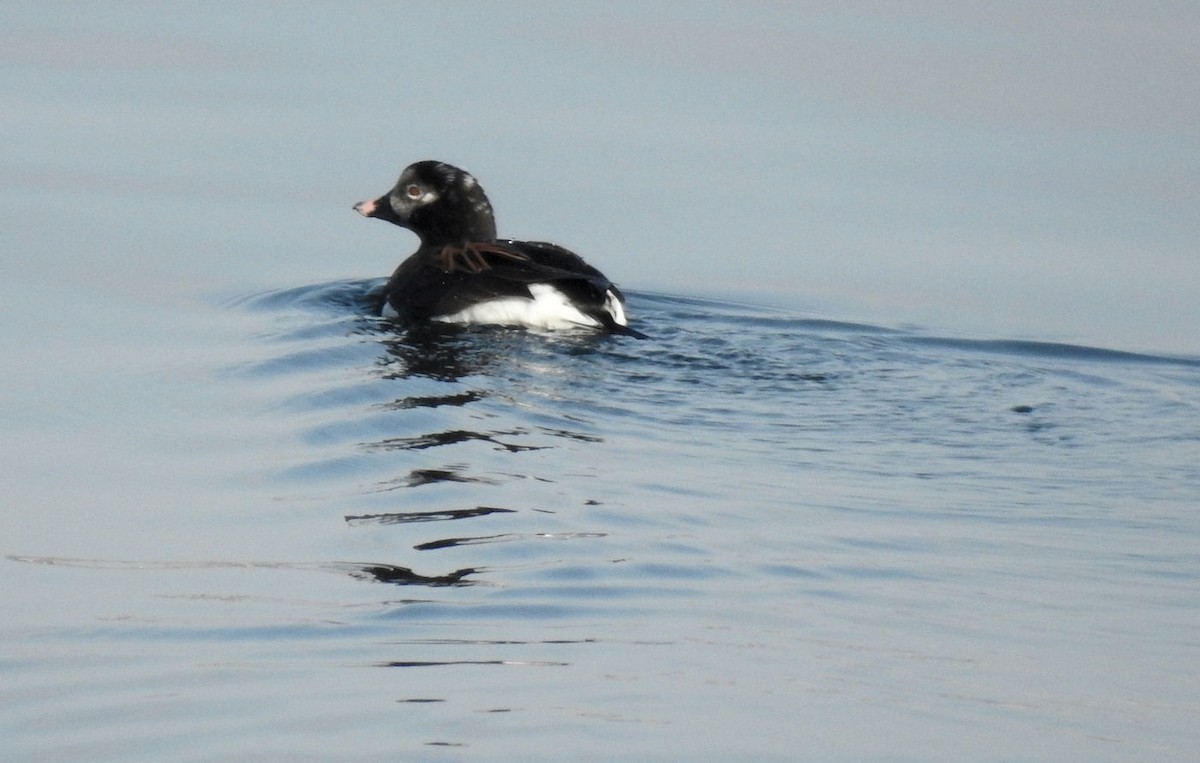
(481, 231)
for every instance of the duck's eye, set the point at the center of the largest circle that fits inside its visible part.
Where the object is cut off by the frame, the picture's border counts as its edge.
(413, 191)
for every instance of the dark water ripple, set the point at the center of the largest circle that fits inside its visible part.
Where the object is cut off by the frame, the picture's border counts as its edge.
(769, 392)
(749, 520)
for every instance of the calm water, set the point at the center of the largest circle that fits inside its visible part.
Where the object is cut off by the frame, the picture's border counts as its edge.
(754, 534)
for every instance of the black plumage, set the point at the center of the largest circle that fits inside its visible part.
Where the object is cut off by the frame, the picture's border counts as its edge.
(460, 265)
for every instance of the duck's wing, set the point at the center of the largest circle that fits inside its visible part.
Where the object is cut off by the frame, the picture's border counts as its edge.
(509, 268)
(520, 260)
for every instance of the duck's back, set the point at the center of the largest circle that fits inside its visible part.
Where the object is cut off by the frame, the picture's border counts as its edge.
(530, 283)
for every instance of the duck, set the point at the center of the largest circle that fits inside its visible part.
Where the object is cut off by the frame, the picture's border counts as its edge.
(462, 273)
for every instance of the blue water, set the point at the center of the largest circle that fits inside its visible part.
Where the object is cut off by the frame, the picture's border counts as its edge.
(906, 471)
(755, 534)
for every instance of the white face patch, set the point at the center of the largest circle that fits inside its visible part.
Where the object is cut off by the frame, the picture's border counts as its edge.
(402, 200)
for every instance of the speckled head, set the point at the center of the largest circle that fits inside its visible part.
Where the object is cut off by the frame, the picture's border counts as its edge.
(439, 202)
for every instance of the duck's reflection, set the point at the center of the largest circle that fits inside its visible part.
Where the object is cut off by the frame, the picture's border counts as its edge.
(396, 575)
(445, 410)
(439, 351)
(424, 516)
(488, 374)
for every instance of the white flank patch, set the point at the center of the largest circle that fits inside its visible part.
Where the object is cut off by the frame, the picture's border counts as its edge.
(549, 309)
(615, 308)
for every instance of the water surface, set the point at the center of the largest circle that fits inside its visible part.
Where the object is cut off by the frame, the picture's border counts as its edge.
(753, 534)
